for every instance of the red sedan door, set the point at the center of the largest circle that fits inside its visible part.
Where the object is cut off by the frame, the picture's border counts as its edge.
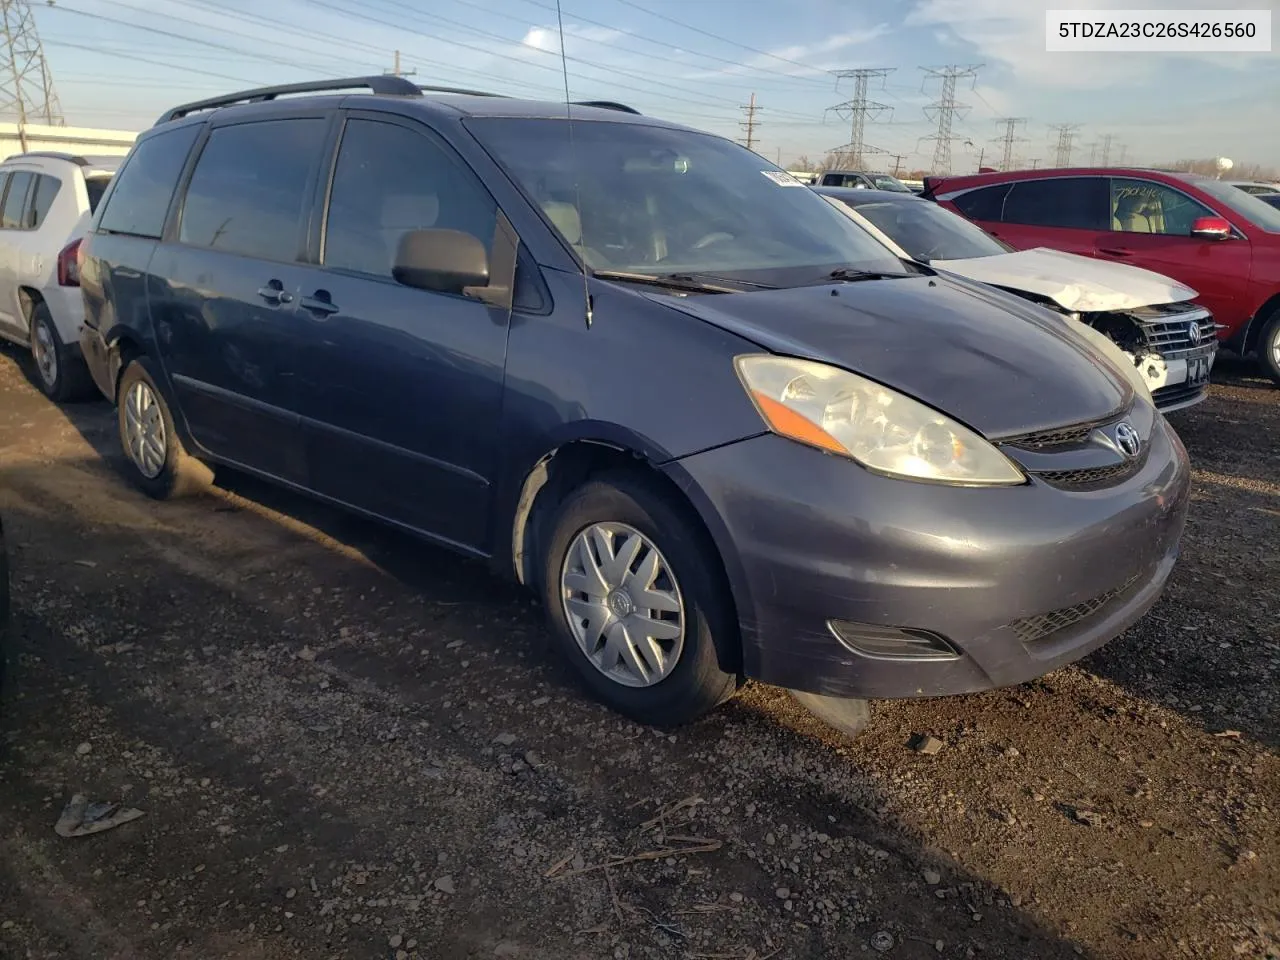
(1151, 228)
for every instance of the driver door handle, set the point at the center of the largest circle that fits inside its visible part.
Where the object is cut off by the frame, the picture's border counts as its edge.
(275, 294)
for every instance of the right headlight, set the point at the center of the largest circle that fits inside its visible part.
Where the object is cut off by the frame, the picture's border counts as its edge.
(885, 431)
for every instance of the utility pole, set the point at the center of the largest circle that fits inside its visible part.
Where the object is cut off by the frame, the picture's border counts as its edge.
(1035, 162)
(396, 71)
(858, 110)
(982, 154)
(1066, 133)
(750, 123)
(26, 85)
(897, 162)
(1106, 150)
(1009, 138)
(1124, 153)
(945, 108)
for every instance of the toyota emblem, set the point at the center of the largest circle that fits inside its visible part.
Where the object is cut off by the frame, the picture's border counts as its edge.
(1127, 439)
(1193, 332)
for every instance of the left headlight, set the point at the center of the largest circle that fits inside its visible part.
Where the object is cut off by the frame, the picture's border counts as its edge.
(883, 430)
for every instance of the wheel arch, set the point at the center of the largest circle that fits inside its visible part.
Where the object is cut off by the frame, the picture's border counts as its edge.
(567, 466)
(1253, 333)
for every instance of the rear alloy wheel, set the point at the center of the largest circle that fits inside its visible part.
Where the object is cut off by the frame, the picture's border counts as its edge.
(635, 602)
(1269, 347)
(158, 463)
(61, 375)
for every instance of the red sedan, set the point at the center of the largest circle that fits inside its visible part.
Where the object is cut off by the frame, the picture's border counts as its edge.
(1205, 233)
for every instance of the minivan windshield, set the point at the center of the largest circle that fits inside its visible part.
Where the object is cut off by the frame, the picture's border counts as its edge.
(1246, 204)
(927, 231)
(645, 199)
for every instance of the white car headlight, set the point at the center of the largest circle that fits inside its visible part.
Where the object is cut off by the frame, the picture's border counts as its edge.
(846, 414)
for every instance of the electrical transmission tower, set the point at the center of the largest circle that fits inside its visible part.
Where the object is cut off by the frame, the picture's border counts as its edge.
(1106, 150)
(945, 108)
(26, 85)
(1009, 138)
(1066, 133)
(750, 124)
(858, 110)
(396, 71)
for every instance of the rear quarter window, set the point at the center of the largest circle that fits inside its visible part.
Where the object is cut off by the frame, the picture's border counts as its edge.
(144, 186)
(986, 203)
(96, 186)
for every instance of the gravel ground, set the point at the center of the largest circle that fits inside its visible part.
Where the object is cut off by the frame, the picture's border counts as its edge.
(346, 744)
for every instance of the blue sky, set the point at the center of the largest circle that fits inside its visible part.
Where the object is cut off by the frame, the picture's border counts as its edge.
(119, 63)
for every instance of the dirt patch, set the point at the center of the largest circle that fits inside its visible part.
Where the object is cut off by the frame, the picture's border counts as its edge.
(347, 744)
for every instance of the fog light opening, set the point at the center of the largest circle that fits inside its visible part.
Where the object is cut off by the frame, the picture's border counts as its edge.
(892, 643)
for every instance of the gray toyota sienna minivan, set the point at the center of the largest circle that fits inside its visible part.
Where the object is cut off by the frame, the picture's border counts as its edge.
(719, 430)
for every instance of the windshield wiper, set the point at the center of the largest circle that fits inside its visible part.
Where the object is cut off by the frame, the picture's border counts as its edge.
(677, 281)
(851, 275)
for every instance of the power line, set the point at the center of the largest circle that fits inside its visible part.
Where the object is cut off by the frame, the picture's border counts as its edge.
(858, 109)
(714, 36)
(1066, 133)
(750, 124)
(1009, 138)
(945, 108)
(27, 86)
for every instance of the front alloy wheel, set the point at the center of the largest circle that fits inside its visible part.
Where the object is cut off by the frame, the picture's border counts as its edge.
(637, 600)
(623, 604)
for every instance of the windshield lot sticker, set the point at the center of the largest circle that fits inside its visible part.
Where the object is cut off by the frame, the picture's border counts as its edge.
(782, 179)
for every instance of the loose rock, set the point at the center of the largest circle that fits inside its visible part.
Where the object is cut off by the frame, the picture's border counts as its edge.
(925, 744)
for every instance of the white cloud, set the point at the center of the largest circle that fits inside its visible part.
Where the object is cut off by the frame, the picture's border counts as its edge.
(775, 61)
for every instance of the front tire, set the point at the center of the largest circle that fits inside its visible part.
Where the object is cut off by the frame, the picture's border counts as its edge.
(1269, 347)
(157, 462)
(636, 603)
(60, 374)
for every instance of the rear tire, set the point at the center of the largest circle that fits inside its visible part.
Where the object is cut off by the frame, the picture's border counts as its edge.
(156, 460)
(1269, 347)
(59, 373)
(636, 603)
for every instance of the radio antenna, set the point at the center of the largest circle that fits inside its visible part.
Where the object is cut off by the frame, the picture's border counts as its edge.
(573, 159)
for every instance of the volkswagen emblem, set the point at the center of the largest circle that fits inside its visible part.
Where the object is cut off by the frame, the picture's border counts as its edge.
(1127, 439)
(1193, 333)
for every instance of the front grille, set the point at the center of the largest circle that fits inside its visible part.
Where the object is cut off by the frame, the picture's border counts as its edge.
(1062, 437)
(1044, 625)
(1178, 393)
(1090, 478)
(1171, 338)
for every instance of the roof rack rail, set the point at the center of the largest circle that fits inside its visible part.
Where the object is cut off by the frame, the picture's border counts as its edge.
(384, 85)
(51, 155)
(462, 91)
(606, 105)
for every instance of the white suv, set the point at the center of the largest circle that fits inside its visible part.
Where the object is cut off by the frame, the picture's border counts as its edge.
(46, 202)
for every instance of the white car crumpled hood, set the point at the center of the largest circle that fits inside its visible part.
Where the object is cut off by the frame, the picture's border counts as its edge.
(1075, 283)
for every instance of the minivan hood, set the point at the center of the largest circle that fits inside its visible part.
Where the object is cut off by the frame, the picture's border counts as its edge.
(1073, 282)
(999, 364)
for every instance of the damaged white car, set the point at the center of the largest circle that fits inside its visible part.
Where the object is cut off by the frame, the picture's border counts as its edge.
(1171, 341)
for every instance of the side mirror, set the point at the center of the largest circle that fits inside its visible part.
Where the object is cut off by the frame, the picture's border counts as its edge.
(444, 261)
(1211, 228)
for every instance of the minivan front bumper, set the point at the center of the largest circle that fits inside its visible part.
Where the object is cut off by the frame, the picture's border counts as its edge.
(993, 586)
